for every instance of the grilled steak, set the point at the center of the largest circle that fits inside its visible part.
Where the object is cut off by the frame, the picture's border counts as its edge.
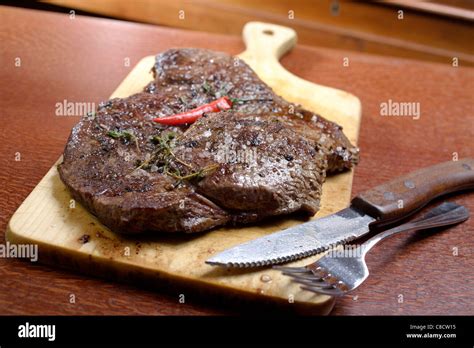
(101, 172)
(264, 167)
(187, 78)
(264, 157)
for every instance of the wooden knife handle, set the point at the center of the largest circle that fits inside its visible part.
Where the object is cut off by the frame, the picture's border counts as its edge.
(405, 195)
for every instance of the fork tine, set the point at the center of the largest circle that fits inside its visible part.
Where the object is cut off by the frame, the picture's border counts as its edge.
(292, 269)
(314, 278)
(324, 291)
(307, 279)
(310, 277)
(318, 285)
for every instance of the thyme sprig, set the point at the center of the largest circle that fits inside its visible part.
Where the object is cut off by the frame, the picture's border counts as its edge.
(165, 160)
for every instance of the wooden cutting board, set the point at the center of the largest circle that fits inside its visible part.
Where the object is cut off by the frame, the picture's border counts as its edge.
(69, 236)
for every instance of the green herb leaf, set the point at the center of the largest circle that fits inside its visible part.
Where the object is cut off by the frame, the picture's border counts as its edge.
(168, 163)
(114, 134)
(128, 135)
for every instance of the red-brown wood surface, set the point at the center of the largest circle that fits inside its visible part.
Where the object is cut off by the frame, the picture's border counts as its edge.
(82, 60)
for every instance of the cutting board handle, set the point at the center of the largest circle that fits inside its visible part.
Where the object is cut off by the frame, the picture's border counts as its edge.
(265, 44)
(267, 41)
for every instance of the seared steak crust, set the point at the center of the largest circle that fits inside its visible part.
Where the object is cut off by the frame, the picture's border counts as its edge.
(193, 77)
(101, 172)
(264, 157)
(263, 167)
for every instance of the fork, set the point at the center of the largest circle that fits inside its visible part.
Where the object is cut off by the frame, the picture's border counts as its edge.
(341, 271)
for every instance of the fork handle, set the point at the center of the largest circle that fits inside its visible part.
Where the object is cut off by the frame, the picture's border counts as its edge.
(443, 215)
(403, 196)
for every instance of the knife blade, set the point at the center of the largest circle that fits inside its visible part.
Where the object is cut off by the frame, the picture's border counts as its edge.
(297, 242)
(381, 205)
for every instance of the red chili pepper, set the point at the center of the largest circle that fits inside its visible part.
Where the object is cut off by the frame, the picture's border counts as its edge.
(191, 116)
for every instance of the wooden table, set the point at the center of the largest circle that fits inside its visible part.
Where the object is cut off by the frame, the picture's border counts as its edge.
(83, 60)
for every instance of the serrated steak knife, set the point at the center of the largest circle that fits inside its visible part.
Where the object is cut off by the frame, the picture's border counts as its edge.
(381, 205)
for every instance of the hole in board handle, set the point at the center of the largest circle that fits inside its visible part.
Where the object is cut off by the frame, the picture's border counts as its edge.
(268, 32)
